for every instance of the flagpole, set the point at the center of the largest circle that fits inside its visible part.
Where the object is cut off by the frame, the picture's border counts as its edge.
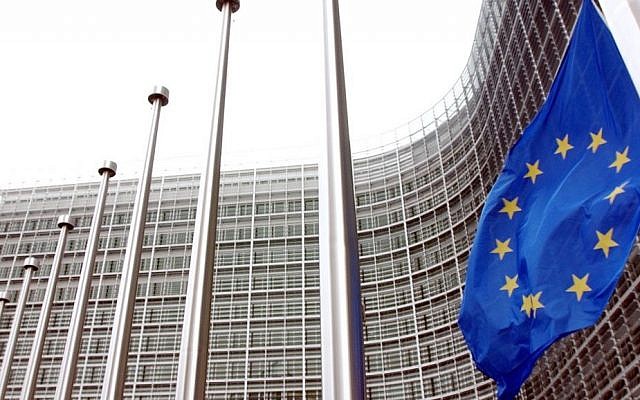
(340, 307)
(30, 266)
(3, 299)
(194, 349)
(74, 337)
(66, 224)
(635, 10)
(115, 372)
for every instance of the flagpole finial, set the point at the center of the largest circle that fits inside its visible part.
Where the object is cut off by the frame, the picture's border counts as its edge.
(108, 166)
(235, 4)
(31, 262)
(159, 92)
(66, 220)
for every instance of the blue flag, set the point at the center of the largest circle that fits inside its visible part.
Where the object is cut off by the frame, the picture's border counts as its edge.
(562, 217)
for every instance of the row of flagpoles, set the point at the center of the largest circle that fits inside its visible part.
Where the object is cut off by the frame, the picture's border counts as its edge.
(341, 315)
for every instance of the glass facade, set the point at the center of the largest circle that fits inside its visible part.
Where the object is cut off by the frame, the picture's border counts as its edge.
(419, 195)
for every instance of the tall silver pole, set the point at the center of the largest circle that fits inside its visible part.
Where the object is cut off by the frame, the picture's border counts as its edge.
(74, 337)
(194, 349)
(115, 372)
(634, 5)
(340, 307)
(4, 298)
(65, 223)
(30, 266)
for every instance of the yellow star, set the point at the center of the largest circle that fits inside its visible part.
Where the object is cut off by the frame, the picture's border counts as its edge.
(605, 242)
(534, 171)
(510, 207)
(596, 141)
(621, 159)
(563, 146)
(531, 303)
(618, 190)
(510, 285)
(535, 303)
(502, 248)
(579, 286)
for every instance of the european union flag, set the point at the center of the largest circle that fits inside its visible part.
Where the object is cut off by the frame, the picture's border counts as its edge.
(562, 217)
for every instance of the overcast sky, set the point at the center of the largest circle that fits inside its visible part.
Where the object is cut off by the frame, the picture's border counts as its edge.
(75, 75)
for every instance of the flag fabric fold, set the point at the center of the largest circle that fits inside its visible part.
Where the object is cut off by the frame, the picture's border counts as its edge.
(562, 217)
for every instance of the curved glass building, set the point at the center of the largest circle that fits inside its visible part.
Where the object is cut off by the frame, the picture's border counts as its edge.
(419, 195)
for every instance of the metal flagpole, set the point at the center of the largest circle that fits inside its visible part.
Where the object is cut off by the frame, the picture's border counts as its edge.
(115, 373)
(65, 223)
(3, 299)
(194, 349)
(634, 5)
(72, 346)
(30, 266)
(340, 306)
